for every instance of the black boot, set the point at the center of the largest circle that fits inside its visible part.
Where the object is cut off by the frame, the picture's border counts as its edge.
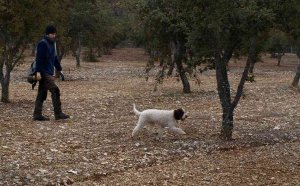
(37, 113)
(40, 118)
(61, 115)
(57, 105)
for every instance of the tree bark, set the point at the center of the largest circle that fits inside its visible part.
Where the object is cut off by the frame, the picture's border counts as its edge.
(5, 80)
(8, 60)
(227, 125)
(90, 56)
(5, 91)
(250, 62)
(33, 49)
(279, 57)
(77, 51)
(178, 51)
(159, 77)
(172, 60)
(150, 64)
(224, 95)
(297, 77)
(77, 56)
(60, 52)
(171, 68)
(224, 87)
(251, 68)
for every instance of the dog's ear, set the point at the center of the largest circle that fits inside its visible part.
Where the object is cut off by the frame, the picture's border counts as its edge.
(178, 113)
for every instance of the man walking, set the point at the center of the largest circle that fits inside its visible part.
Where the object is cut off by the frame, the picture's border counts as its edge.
(46, 61)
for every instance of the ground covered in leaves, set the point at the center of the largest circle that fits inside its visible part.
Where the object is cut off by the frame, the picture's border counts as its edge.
(95, 147)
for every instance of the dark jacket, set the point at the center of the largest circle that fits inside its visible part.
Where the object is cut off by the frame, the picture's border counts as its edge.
(46, 59)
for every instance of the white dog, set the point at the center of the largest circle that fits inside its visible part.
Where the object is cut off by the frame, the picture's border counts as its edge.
(164, 118)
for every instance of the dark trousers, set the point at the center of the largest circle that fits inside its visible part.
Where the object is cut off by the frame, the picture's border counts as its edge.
(45, 84)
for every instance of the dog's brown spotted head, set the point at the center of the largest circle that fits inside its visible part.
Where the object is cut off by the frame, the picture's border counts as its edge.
(179, 114)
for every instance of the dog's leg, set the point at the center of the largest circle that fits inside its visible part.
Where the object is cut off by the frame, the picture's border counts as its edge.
(160, 133)
(135, 130)
(138, 127)
(177, 130)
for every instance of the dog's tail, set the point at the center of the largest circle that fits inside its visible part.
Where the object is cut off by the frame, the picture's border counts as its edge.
(136, 111)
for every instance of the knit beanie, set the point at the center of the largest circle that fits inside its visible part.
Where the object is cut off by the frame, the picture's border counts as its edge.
(50, 29)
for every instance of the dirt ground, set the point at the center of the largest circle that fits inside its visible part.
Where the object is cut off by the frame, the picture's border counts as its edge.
(95, 147)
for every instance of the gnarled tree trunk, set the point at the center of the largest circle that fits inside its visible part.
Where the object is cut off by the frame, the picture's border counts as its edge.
(5, 80)
(178, 50)
(5, 88)
(9, 58)
(224, 95)
(224, 86)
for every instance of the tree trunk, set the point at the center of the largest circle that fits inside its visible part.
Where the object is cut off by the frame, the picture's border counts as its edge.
(33, 49)
(60, 52)
(77, 51)
(224, 87)
(279, 57)
(227, 124)
(150, 65)
(297, 77)
(5, 87)
(171, 68)
(224, 96)
(252, 56)
(251, 68)
(90, 56)
(5, 76)
(77, 56)
(159, 77)
(107, 49)
(178, 51)
(9, 58)
(171, 60)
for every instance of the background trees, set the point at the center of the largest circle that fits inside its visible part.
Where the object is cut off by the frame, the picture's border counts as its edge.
(277, 44)
(165, 34)
(287, 20)
(197, 35)
(18, 26)
(91, 23)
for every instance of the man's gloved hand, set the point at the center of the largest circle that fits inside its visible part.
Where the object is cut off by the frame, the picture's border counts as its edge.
(62, 77)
